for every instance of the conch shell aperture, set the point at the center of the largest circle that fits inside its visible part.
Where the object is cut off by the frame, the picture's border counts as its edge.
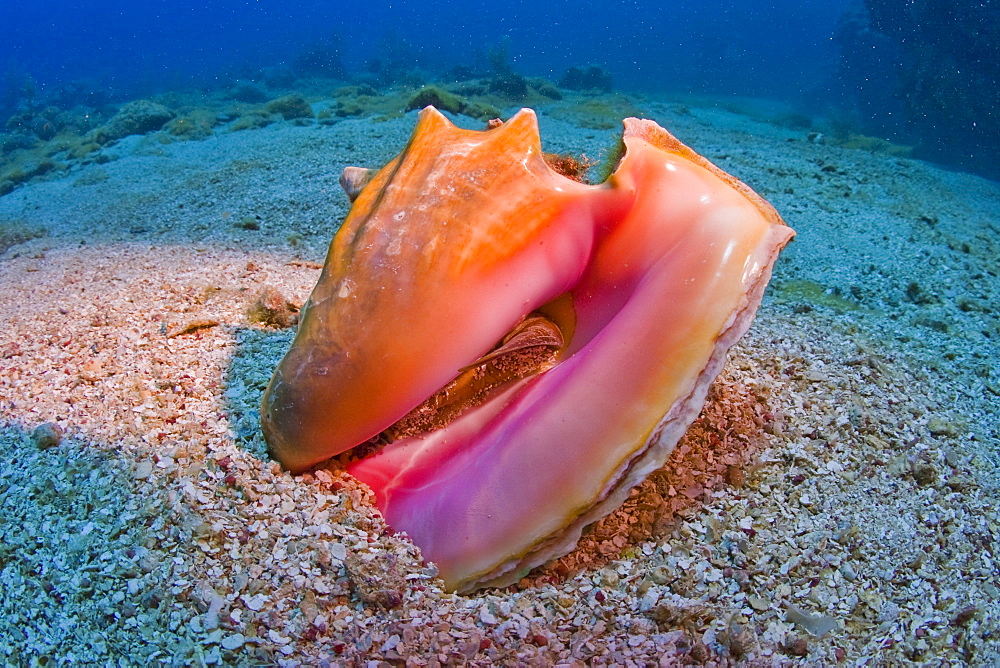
(535, 346)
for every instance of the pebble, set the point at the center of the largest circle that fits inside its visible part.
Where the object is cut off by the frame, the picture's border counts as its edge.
(939, 426)
(143, 470)
(46, 435)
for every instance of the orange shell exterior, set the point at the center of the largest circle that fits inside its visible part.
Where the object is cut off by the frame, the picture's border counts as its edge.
(448, 248)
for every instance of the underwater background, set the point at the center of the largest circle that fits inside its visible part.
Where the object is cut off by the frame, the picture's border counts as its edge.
(916, 74)
(169, 188)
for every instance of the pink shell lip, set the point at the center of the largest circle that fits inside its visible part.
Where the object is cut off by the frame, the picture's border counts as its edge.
(665, 264)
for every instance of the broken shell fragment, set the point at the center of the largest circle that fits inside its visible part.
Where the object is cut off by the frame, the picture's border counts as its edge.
(530, 346)
(354, 179)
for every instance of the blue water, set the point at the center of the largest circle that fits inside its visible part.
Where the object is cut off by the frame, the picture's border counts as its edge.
(924, 74)
(778, 48)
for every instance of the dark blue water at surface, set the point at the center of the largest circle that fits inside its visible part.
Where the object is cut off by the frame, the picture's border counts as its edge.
(779, 47)
(922, 74)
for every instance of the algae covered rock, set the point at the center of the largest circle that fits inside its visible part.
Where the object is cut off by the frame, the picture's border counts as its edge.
(13, 141)
(546, 88)
(23, 168)
(437, 97)
(40, 124)
(446, 101)
(15, 232)
(359, 101)
(195, 124)
(510, 86)
(134, 118)
(290, 107)
(591, 78)
(601, 113)
(248, 91)
(253, 119)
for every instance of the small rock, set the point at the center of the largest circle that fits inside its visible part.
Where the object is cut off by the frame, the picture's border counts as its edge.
(272, 308)
(248, 223)
(255, 602)
(91, 371)
(661, 575)
(959, 483)
(899, 465)
(889, 612)
(925, 473)
(278, 639)
(700, 652)
(735, 476)
(918, 295)
(941, 427)
(965, 616)
(338, 551)
(46, 435)
(797, 647)
(143, 470)
(379, 580)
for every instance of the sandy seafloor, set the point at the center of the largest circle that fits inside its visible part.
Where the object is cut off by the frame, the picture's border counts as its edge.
(835, 504)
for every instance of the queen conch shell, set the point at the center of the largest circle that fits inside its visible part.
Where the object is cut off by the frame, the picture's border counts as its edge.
(533, 347)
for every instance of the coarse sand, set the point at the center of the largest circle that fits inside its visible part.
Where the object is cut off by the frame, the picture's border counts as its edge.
(835, 504)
